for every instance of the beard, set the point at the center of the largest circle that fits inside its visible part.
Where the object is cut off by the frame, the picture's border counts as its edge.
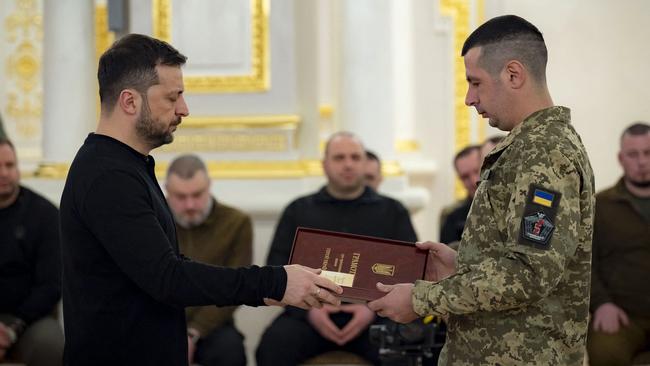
(188, 223)
(640, 183)
(347, 187)
(7, 194)
(154, 132)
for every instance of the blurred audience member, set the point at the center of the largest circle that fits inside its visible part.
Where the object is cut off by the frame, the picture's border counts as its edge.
(209, 232)
(467, 163)
(344, 204)
(372, 170)
(30, 270)
(620, 290)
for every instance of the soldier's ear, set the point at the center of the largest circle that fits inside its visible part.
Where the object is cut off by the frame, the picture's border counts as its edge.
(515, 74)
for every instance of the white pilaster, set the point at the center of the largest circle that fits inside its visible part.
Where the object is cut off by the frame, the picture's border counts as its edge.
(307, 62)
(366, 97)
(404, 70)
(69, 92)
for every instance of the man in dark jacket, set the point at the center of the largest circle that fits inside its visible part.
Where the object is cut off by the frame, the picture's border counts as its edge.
(211, 232)
(467, 164)
(345, 204)
(30, 270)
(620, 290)
(125, 284)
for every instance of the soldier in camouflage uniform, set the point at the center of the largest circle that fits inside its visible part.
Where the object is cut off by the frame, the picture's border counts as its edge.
(517, 292)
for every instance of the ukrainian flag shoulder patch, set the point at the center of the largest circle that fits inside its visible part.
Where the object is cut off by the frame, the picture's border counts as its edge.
(542, 197)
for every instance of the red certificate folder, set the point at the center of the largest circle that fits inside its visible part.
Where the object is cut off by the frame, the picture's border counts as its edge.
(358, 262)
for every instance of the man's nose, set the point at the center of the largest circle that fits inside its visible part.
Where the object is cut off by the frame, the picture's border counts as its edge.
(182, 109)
(470, 98)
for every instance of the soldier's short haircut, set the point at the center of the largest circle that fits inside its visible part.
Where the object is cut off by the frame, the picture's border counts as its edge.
(131, 63)
(466, 151)
(341, 134)
(6, 141)
(185, 166)
(506, 38)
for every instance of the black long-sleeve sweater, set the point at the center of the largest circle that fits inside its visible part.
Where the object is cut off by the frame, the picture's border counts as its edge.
(125, 285)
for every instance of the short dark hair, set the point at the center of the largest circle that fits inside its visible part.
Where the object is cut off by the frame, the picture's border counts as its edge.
(131, 63)
(636, 129)
(509, 37)
(185, 166)
(6, 141)
(370, 155)
(466, 151)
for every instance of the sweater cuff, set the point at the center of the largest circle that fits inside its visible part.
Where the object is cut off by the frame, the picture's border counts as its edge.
(278, 284)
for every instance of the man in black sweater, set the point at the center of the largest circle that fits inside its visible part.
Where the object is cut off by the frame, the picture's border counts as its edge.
(30, 270)
(125, 285)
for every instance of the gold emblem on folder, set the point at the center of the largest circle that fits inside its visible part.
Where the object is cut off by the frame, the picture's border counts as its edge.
(383, 269)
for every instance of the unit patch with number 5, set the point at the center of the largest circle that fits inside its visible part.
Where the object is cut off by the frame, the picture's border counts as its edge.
(538, 220)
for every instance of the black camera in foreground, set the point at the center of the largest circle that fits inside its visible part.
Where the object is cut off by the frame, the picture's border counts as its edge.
(415, 343)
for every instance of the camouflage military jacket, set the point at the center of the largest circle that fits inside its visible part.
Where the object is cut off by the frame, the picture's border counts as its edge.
(521, 292)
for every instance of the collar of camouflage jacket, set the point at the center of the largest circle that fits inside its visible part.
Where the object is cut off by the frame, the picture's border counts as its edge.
(555, 114)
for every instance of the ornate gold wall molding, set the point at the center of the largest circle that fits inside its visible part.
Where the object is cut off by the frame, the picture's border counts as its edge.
(480, 11)
(243, 122)
(229, 142)
(25, 21)
(293, 169)
(460, 13)
(326, 111)
(271, 169)
(256, 169)
(52, 170)
(264, 133)
(407, 146)
(257, 80)
(104, 38)
(24, 32)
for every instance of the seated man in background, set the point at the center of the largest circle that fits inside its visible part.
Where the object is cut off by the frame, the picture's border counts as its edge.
(344, 204)
(372, 170)
(620, 291)
(213, 233)
(467, 163)
(30, 270)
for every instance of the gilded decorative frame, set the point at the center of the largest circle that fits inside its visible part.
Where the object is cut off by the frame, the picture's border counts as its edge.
(259, 78)
(460, 13)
